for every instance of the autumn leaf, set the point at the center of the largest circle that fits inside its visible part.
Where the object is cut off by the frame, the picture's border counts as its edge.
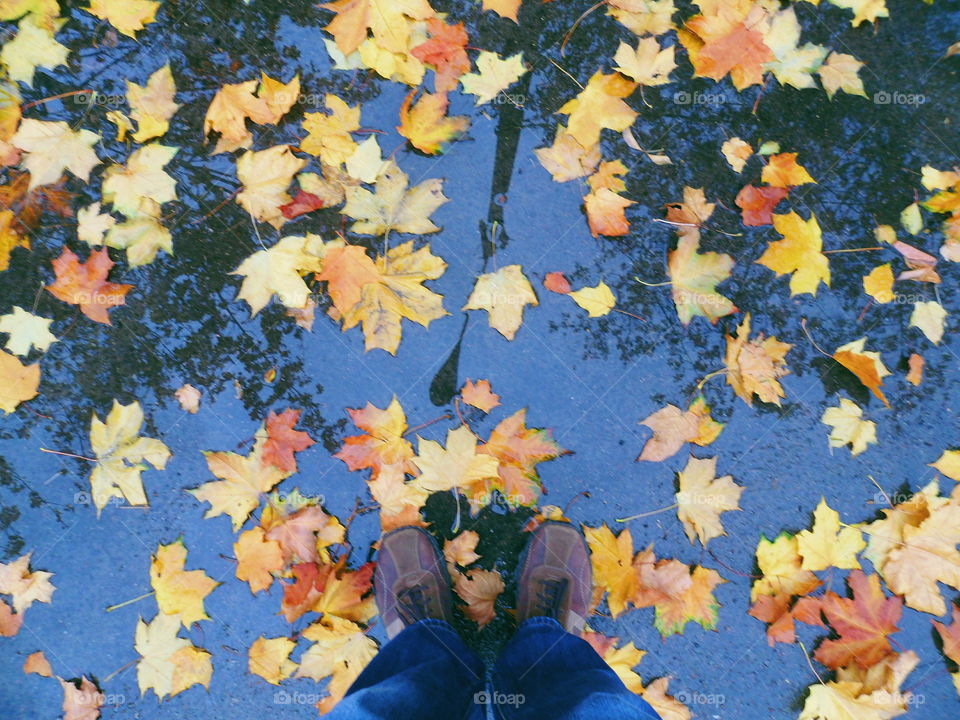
(839, 72)
(507, 9)
(270, 659)
(866, 365)
(726, 42)
(397, 293)
(26, 331)
(304, 533)
(599, 105)
(950, 636)
(121, 454)
(137, 188)
(647, 64)
(265, 176)
(127, 16)
(394, 206)
(878, 283)
(342, 593)
(446, 52)
(341, 649)
(162, 665)
(736, 152)
(458, 465)
(695, 604)
(243, 480)
(283, 441)
(18, 382)
(518, 450)
(849, 427)
(37, 663)
(236, 103)
(567, 159)
(597, 301)
(33, 47)
(383, 442)
(673, 427)
(557, 282)
(25, 586)
(82, 699)
(703, 496)
(757, 203)
(279, 270)
(503, 294)
(479, 395)
(612, 559)
(694, 278)
(257, 558)
(328, 135)
(621, 659)
(782, 171)
(9, 238)
(52, 147)
(827, 544)
(929, 317)
(799, 253)
(385, 19)
(495, 74)
(781, 567)
(426, 124)
(862, 622)
(479, 589)
(754, 367)
(461, 550)
(152, 105)
(179, 592)
(605, 213)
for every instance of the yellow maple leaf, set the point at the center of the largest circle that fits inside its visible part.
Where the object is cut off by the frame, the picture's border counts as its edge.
(386, 19)
(461, 550)
(9, 238)
(781, 568)
(612, 560)
(179, 592)
(703, 496)
(567, 159)
(839, 72)
(265, 176)
(504, 8)
(26, 587)
(121, 454)
(127, 16)
(878, 283)
(243, 480)
(18, 382)
(827, 544)
(139, 187)
(599, 105)
(503, 294)
(597, 301)
(235, 103)
(696, 603)
(52, 147)
(427, 126)
(341, 650)
(783, 171)
(754, 367)
(33, 47)
(458, 465)
(799, 253)
(394, 206)
(279, 271)
(141, 237)
(26, 331)
(849, 427)
(152, 105)
(328, 135)
(157, 643)
(647, 64)
(495, 74)
(270, 659)
(672, 427)
(864, 10)
(191, 666)
(736, 152)
(694, 278)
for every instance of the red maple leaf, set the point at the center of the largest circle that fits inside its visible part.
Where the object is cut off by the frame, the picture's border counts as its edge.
(86, 284)
(302, 203)
(446, 50)
(757, 203)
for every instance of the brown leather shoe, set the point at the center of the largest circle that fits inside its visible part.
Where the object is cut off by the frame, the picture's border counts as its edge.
(411, 581)
(555, 578)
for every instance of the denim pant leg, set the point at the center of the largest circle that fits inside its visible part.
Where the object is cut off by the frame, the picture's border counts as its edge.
(424, 673)
(545, 673)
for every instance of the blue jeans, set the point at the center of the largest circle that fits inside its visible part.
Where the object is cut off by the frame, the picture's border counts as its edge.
(544, 673)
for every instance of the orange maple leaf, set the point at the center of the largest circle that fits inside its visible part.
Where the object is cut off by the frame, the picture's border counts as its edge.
(383, 442)
(862, 623)
(283, 441)
(86, 284)
(446, 50)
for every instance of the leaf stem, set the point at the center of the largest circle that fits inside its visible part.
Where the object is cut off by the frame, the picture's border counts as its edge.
(129, 602)
(648, 514)
(66, 454)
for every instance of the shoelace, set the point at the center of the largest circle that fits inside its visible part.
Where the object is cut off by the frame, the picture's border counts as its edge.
(550, 596)
(412, 605)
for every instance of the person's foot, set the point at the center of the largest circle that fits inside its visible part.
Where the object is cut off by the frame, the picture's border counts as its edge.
(555, 577)
(411, 581)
